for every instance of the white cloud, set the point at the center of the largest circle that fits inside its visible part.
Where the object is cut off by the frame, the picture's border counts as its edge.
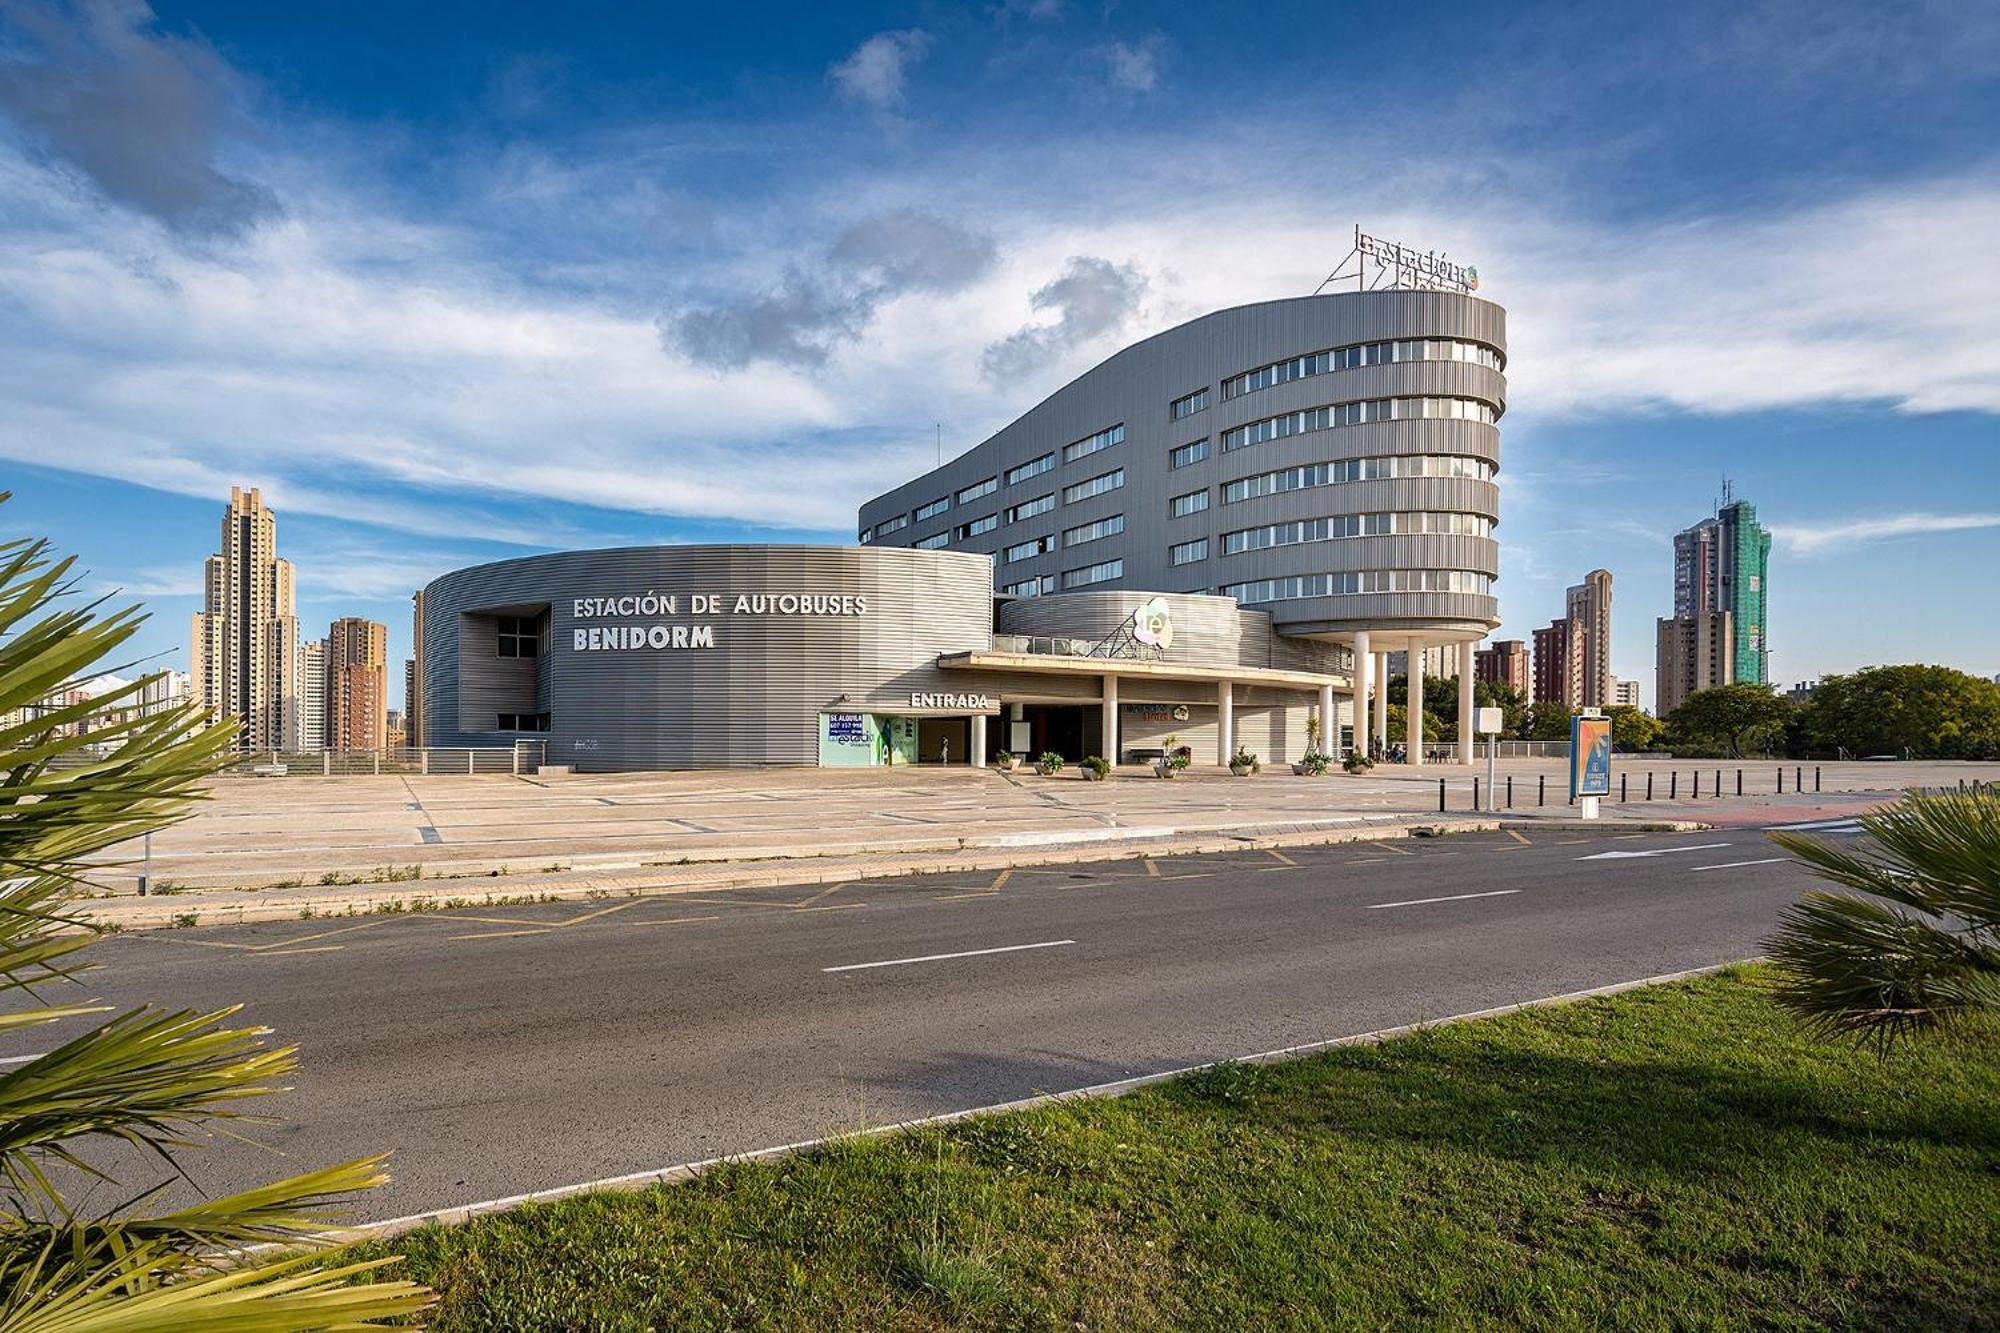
(874, 72)
(1135, 66)
(1821, 539)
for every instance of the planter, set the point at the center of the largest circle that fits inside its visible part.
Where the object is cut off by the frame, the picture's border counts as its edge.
(1162, 768)
(1241, 770)
(1092, 775)
(1008, 763)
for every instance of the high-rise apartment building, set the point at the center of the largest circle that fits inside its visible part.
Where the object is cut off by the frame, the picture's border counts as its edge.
(1625, 694)
(244, 644)
(411, 698)
(1505, 663)
(1722, 566)
(1692, 653)
(1559, 662)
(357, 684)
(1589, 605)
(312, 696)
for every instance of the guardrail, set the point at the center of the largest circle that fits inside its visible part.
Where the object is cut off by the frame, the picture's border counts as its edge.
(434, 761)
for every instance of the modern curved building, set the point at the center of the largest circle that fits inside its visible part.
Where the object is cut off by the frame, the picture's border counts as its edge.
(1328, 460)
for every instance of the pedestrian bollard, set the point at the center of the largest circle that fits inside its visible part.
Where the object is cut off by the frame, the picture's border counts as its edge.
(1440, 795)
(1815, 777)
(1674, 785)
(1475, 793)
(1739, 782)
(1621, 788)
(1649, 786)
(1798, 779)
(1718, 784)
(1510, 791)
(1697, 785)
(1541, 789)
(1781, 781)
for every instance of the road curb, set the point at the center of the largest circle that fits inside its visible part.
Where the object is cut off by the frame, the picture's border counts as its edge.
(686, 1171)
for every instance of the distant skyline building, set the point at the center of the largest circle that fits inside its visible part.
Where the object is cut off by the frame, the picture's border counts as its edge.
(1559, 660)
(1505, 663)
(244, 640)
(1722, 565)
(1625, 694)
(1692, 653)
(357, 684)
(1589, 605)
(312, 710)
(411, 736)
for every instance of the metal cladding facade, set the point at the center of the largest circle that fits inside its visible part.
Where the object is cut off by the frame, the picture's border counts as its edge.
(790, 631)
(1212, 631)
(1411, 577)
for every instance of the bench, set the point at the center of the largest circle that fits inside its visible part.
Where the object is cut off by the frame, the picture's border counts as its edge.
(267, 770)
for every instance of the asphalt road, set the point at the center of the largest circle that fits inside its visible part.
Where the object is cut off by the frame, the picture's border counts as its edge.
(501, 1050)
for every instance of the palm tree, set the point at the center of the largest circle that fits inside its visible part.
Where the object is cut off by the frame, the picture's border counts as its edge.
(144, 1079)
(1921, 952)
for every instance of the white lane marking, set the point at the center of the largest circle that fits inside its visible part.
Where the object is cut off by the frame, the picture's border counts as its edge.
(19, 1059)
(1654, 851)
(1828, 825)
(1449, 898)
(940, 957)
(1731, 865)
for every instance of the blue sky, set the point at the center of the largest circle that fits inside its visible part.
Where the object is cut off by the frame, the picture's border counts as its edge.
(453, 282)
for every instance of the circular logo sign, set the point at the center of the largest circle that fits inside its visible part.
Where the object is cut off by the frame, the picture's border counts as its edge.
(1153, 625)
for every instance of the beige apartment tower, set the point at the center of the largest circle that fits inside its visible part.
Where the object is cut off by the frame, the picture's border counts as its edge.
(244, 649)
(1693, 653)
(357, 686)
(1589, 605)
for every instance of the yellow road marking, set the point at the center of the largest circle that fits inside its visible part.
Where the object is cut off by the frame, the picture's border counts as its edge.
(1152, 867)
(1000, 880)
(501, 934)
(1269, 851)
(320, 935)
(592, 916)
(1370, 861)
(976, 893)
(832, 907)
(823, 893)
(318, 948)
(674, 921)
(443, 917)
(214, 944)
(1392, 847)
(728, 902)
(1194, 874)
(1516, 836)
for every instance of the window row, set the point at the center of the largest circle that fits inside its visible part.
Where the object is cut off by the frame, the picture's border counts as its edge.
(1090, 532)
(889, 525)
(1188, 552)
(1041, 504)
(1385, 468)
(1089, 574)
(933, 509)
(1182, 408)
(1090, 444)
(1028, 550)
(983, 524)
(1362, 354)
(933, 542)
(1083, 490)
(979, 490)
(1358, 581)
(1353, 525)
(1355, 414)
(1031, 587)
(1034, 467)
(518, 636)
(523, 722)
(1188, 454)
(1191, 503)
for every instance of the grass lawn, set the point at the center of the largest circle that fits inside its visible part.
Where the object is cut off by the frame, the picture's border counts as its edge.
(1676, 1157)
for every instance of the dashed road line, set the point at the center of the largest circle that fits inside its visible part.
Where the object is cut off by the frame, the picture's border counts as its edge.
(1448, 898)
(823, 893)
(1516, 836)
(1152, 867)
(942, 957)
(1278, 855)
(1000, 880)
(674, 921)
(1732, 865)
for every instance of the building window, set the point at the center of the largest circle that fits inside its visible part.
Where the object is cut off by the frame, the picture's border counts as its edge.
(1359, 581)
(1182, 408)
(523, 722)
(985, 523)
(1028, 550)
(933, 542)
(1356, 469)
(867, 535)
(979, 490)
(1033, 468)
(1188, 454)
(1191, 503)
(1090, 444)
(1188, 552)
(933, 509)
(1090, 532)
(1083, 490)
(1357, 413)
(1361, 354)
(520, 636)
(1041, 504)
(889, 525)
(1089, 574)
(1025, 588)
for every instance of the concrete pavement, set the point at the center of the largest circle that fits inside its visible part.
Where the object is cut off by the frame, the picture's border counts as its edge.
(508, 1050)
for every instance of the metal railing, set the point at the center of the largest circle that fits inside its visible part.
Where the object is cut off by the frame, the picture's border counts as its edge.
(434, 761)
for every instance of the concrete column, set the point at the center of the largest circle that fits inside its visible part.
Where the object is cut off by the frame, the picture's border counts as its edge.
(1225, 722)
(1382, 701)
(1109, 726)
(1364, 667)
(1466, 712)
(1413, 706)
(977, 757)
(1329, 722)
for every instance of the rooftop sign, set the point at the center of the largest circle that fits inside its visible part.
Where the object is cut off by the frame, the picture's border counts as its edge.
(1398, 265)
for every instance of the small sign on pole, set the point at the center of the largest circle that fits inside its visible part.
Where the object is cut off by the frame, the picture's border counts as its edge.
(1589, 760)
(1488, 722)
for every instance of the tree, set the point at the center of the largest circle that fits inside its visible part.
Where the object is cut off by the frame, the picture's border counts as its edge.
(144, 1078)
(1729, 717)
(1633, 730)
(1548, 721)
(1933, 712)
(1441, 701)
(1922, 950)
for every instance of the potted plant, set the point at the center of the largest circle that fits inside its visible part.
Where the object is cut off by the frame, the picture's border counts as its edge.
(1008, 761)
(1049, 764)
(1096, 768)
(1172, 758)
(1313, 765)
(1243, 763)
(1357, 762)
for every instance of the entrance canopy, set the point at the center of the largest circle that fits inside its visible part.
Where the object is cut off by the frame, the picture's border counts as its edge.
(1055, 664)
